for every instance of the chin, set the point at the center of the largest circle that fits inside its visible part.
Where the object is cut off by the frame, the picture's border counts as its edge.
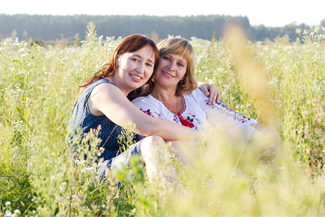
(136, 86)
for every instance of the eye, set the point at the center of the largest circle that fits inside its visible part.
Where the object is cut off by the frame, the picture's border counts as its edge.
(135, 59)
(166, 58)
(180, 64)
(149, 64)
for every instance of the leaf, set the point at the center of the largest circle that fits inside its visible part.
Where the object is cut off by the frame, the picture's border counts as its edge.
(20, 111)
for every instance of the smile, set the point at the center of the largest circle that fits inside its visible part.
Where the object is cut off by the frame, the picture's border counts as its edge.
(136, 78)
(167, 74)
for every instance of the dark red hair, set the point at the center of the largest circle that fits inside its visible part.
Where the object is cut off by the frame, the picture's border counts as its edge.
(129, 44)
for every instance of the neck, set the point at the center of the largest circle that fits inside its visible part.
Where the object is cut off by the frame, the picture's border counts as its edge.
(164, 94)
(168, 97)
(118, 84)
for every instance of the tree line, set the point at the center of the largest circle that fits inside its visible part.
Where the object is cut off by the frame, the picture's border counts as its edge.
(51, 28)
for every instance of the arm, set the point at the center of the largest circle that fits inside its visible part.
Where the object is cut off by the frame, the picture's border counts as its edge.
(109, 100)
(219, 113)
(265, 140)
(148, 107)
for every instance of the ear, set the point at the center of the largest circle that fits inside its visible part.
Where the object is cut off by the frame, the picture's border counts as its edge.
(117, 60)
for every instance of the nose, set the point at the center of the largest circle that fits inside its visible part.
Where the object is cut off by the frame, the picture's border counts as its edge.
(140, 68)
(171, 66)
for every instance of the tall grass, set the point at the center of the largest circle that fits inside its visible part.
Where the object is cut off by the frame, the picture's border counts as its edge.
(38, 175)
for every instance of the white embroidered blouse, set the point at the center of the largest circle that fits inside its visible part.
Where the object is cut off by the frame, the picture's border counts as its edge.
(197, 111)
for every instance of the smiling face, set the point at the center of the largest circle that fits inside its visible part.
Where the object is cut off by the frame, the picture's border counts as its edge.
(170, 70)
(134, 69)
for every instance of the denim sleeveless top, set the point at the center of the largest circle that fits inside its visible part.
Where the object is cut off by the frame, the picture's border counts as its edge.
(82, 117)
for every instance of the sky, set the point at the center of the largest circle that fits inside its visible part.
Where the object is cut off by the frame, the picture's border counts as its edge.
(269, 13)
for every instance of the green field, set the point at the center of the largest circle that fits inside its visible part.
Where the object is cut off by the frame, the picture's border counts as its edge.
(280, 83)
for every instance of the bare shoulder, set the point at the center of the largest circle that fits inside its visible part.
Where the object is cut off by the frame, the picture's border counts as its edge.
(104, 89)
(102, 95)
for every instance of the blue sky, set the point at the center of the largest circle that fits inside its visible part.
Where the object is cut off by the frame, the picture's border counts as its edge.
(269, 13)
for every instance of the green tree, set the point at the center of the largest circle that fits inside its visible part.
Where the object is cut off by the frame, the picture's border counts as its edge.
(14, 34)
(25, 35)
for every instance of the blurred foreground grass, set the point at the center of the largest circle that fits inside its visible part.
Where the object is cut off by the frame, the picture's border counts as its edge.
(39, 177)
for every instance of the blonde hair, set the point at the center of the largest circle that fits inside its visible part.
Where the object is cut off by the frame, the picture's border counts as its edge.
(181, 47)
(178, 46)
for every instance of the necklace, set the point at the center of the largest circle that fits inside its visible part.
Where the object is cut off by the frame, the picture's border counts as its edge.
(176, 104)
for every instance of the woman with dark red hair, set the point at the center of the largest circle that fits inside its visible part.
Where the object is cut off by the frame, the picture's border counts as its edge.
(102, 102)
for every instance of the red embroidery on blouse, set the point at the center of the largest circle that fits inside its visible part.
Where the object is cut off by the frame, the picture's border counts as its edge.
(185, 122)
(148, 112)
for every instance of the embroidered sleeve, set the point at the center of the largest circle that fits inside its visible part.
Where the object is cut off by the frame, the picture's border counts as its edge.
(207, 106)
(223, 108)
(147, 106)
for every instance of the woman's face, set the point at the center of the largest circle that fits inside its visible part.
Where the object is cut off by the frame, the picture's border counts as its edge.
(171, 69)
(134, 69)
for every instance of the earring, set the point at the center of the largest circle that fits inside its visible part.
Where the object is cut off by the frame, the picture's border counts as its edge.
(181, 81)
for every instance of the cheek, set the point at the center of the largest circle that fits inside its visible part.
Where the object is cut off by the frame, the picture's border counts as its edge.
(149, 73)
(124, 67)
(124, 63)
(155, 72)
(161, 63)
(183, 74)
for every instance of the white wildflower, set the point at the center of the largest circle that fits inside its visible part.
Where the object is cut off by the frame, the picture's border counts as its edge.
(90, 169)
(8, 203)
(17, 211)
(8, 213)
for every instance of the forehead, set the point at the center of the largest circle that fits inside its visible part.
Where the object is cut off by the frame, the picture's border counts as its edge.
(146, 53)
(177, 57)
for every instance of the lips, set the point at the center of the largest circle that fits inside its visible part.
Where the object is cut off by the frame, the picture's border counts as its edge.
(136, 78)
(167, 74)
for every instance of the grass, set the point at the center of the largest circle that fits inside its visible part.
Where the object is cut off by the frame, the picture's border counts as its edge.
(38, 175)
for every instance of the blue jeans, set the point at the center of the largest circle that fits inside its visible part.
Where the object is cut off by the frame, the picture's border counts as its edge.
(121, 160)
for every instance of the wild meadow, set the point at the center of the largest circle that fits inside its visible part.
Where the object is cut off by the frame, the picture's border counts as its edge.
(280, 83)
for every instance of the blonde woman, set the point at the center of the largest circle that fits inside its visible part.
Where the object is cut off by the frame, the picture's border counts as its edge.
(102, 102)
(172, 95)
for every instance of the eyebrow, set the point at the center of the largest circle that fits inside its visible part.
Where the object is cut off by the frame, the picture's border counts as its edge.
(150, 60)
(183, 61)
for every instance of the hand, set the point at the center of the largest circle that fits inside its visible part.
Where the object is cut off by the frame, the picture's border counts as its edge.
(267, 145)
(210, 89)
(267, 153)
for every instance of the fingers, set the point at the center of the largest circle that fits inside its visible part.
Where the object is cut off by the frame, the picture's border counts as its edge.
(218, 97)
(205, 90)
(204, 87)
(266, 155)
(262, 148)
(211, 91)
(214, 94)
(212, 97)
